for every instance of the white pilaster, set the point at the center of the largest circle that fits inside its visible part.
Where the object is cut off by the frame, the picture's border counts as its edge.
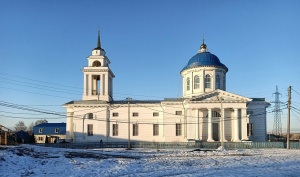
(244, 121)
(70, 131)
(209, 127)
(106, 84)
(222, 126)
(202, 83)
(103, 84)
(197, 124)
(85, 84)
(236, 126)
(213, 80)
(95, 90)
(90, 92)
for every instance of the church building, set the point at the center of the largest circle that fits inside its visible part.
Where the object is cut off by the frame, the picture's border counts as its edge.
(205, 112)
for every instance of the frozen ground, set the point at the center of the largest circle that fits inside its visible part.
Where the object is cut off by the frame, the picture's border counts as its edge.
(27, 160)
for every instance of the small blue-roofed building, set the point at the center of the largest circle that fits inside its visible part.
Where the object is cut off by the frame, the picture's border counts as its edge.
(49, 132)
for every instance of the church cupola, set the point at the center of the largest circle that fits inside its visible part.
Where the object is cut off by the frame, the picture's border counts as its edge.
(203, 73)
(98, 76)
(98, 50)
(203, 48)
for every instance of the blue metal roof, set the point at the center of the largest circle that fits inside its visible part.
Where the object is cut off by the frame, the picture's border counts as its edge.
(204, 59)
(49, 129)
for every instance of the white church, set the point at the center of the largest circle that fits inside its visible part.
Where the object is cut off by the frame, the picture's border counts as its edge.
(205, 112)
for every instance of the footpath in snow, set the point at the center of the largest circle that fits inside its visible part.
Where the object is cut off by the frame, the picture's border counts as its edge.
(30, 160)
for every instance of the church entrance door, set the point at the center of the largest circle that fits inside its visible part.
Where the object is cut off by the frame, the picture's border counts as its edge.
(216, 131)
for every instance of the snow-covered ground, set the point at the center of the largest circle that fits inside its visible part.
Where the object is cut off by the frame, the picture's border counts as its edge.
(28, 160)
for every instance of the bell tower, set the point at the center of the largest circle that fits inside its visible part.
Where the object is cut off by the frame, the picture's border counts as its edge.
(98, 77)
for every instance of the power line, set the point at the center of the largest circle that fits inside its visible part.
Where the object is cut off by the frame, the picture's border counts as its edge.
(296, 91)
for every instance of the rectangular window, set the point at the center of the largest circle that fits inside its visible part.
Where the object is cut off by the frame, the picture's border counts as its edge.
(56, 130)
(178, 129)
(40, 130)
(155, 114)
(40, 138)
(178, 113)
(155, 130)
(249, 129)
(135, 129)
(115, 129)
(90, 129)
(135, 114)
(115, 114)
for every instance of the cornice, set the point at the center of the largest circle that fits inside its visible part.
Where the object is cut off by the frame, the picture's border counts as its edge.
(98, 70)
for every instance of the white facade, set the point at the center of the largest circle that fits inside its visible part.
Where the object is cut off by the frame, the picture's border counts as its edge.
(206, 112)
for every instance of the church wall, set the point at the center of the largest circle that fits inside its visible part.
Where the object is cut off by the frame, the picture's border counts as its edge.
(145, 121)
(258, 118)
(81, 121)
(170, 122)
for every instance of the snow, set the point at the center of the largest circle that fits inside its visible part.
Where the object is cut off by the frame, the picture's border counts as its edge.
(31, 160)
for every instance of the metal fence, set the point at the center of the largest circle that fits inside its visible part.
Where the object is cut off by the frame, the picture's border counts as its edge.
(177, 145)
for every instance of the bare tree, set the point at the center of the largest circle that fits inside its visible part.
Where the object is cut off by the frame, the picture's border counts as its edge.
(30, 127)
(20, 126)
(41, 121)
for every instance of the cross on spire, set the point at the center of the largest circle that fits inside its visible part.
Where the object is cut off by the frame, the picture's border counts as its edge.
(203, 46)
(98, 44)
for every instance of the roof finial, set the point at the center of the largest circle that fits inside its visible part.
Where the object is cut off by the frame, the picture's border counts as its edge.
(203, 46)
(98, 44)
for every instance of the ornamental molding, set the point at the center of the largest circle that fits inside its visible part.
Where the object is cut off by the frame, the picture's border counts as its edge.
(98, 70)
(209, 67)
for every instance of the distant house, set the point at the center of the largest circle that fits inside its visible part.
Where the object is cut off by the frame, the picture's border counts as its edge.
(23, 137)
(49, 132)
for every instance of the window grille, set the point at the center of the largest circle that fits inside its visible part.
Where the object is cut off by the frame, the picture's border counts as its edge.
(135, 129)
(90, 129)
(155, 130)
(155, 114)
(135, 114)
(196, 82)
(115, 129)
(178, 129)
(207, 81)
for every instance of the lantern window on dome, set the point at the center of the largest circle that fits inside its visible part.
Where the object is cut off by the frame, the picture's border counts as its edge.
(218, 82)
(196, 82)
(207, 81)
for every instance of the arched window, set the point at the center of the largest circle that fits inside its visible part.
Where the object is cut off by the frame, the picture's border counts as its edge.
(218, 82)
(96, 63)
(207, 81)
(90, 116)
(188, 84)
(196, 82)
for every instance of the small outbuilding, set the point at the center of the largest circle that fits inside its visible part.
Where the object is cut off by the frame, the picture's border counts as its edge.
(49, 132)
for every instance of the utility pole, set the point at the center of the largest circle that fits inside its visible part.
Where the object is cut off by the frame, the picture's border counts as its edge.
(128, 99)
(288, 120)
(222, 121)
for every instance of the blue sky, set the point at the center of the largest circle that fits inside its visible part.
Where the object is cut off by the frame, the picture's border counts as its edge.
(44, 44)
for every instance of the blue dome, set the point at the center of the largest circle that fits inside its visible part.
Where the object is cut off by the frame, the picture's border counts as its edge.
(204, 59)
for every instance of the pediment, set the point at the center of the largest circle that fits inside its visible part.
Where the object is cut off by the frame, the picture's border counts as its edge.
(217, 94)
